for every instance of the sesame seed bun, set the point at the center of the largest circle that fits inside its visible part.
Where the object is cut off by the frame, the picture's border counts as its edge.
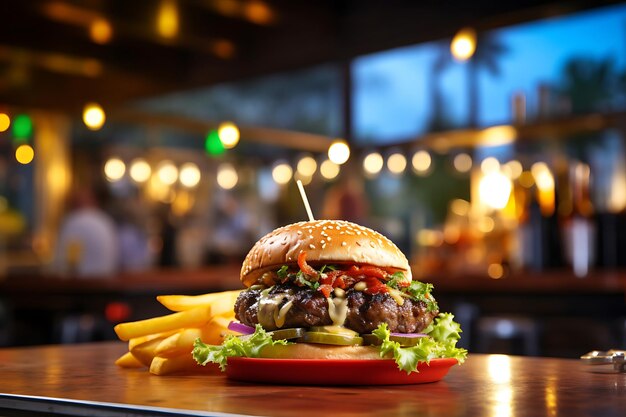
(325, 242)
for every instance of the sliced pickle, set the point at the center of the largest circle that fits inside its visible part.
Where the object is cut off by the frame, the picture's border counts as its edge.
(331, 339)
(286, 334)
(405, 341)
(371, 340)
(334, 330)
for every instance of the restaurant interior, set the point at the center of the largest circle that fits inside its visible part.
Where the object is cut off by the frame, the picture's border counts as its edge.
(146, 145)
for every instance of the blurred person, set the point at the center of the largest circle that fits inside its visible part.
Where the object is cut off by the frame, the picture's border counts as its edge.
(133, 239)
(232, 232)
(88, 242)
(346, 200)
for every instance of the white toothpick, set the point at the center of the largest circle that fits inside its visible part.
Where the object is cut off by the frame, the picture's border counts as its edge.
(305, 200)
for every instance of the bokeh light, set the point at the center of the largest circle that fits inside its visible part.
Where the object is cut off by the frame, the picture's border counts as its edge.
(489, 165)
(5, 122)
(167, 19)
(229, 134)
(114, 169)
(24, 154)
(22, 127)
(100, 31)
(140, 170)
(213, 144)
(189, 175)
(462, 162)
(421, 162)
(373, 163)
(227, 177)
(93, 116)
(167, 172)
(282, 173)
(463, 44)
(329, 170)
(306, 166)
(339, 152)
(494, 190)
(396, 163)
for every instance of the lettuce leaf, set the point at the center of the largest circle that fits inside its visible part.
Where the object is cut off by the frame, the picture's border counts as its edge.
(248, 347)
(443, 334)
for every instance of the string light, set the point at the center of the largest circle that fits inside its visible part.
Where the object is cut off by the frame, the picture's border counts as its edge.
(396, 163)
(114, 169)
(24, 154)
(228, 134)
(167, 19)
(421, 162)
(282, 173)
(339, 152)
(329, 170)
(5, 122)
(489, 165)
(189, 175)
(227, 177)
(140, 170)
(373, 163)
(93, 116)
(167, 172)
(463, 44)
(462, 162)
(494, 190)
(306, 166)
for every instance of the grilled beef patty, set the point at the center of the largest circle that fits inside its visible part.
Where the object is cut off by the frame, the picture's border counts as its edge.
(310, 308)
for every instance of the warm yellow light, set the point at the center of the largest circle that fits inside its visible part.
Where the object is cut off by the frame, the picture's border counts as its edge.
(339, 152)
(486, 224)
(167, 173)
(167, 19)
(5, 122)
(189, 175)
(227, 177)
(373, 163)
(140, 170)
(494, 190)
(228, 134)
(489, 165)
(258, 12)
(421, 162)
(396, 163)
(306, 179)
(460, 207)
(463, 44)
(498, 135)
(542, 176)
(429, 237)
(462, 162)
(499, 366)
(526, 179)
(93, 116)
(100, 31)
(282, 173)
(512, 169)
(24, 154)
(306, 166)
(114, 169)
(329, 169)
(495, 271)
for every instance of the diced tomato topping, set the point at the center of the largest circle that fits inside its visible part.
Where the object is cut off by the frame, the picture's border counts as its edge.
(374, 286)
(326, 290)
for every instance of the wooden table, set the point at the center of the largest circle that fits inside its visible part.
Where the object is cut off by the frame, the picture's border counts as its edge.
(82, 380)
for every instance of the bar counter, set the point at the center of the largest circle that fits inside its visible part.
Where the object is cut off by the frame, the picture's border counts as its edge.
(83, 380)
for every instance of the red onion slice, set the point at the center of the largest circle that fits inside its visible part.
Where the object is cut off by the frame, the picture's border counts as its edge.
(235, 326)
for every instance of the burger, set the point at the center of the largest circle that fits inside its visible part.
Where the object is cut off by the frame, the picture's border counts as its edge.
(331, 289)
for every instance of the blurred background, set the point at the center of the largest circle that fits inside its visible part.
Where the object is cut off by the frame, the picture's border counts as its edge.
(146, 145)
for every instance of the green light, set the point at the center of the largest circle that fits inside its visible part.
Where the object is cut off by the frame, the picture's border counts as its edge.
(22, 127)
(213, 144)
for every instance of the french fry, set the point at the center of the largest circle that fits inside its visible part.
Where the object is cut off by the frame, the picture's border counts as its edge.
(141, 339)
(216, 330)
(146, 351)
(127, 360)
(196, 317)
(178, 343)
(180, 363)
(221, 301)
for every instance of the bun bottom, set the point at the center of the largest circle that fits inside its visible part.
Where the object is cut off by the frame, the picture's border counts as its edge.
(318, 351)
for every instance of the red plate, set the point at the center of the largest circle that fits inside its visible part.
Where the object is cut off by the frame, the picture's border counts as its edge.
(334, 371)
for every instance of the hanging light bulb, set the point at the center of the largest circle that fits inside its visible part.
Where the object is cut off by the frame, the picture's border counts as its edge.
(189, 175)
(114, 169)
(93, 116)
(421, 162)
(140, 170)
(463, 44)
(396, 163)
(339, 152)
(373, 163)
(227, 177)
(282, 173)
(228, 134)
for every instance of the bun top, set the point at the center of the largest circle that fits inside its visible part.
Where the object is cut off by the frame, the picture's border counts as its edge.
(325, 241)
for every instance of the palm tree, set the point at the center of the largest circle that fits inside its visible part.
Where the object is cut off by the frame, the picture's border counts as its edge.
(488, 50)
(590, 84)
(438, 120)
